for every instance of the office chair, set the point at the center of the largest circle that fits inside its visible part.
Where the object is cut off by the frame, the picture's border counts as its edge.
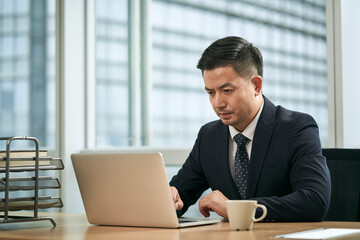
(344, 166)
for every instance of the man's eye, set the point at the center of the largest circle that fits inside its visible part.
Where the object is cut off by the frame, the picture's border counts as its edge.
(210, 93)
(227, 90)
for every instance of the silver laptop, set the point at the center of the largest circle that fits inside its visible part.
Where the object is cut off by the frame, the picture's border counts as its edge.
(127, 189)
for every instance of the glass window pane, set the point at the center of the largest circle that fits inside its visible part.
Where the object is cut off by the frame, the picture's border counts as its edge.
(291, 35)
(112, 119)
(27, 102)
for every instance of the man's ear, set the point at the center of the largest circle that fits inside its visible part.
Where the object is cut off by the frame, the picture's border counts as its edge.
(257, 83)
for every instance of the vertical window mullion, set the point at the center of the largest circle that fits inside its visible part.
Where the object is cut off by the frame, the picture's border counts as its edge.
(90, 74)
(146, 73)
(134, 73)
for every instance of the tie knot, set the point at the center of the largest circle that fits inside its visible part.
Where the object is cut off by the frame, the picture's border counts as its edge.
(240, 139)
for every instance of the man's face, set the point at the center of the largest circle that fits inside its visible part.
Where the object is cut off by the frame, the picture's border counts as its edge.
(233, 98)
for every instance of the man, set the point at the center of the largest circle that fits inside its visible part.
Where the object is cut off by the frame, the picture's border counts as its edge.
(281, 164)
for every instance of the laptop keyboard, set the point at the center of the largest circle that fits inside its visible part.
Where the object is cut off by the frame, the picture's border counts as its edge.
(185, 220)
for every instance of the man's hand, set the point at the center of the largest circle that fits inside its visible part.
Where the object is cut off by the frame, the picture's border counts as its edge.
(178, 203)
(213, 202)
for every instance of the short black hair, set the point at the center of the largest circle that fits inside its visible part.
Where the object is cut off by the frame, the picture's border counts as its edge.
(234, 51)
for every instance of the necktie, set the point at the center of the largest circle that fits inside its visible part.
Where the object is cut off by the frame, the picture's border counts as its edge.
(241, 164)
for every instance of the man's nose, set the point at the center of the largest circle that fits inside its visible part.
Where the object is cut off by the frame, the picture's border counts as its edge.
(219, 101)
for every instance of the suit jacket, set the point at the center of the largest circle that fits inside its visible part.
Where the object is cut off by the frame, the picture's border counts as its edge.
(287, 171)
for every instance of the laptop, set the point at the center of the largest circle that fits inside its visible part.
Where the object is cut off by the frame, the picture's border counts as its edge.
(128, 189)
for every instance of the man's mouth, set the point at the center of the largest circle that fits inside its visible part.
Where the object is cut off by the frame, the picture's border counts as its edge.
(224, 114)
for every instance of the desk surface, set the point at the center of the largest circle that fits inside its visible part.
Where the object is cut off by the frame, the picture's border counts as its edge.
(76, 226)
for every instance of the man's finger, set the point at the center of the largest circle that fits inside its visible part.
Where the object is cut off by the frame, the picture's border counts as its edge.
(213, 202)
(178, 203)
(204, 207)
(205, 211)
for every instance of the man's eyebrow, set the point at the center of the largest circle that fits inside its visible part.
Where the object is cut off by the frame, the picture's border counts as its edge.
(221, 87)
(226, 85)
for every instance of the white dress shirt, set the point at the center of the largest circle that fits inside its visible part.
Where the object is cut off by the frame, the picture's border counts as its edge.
(249, 133)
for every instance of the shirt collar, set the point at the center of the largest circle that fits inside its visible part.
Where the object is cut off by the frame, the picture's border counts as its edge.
(249, 131)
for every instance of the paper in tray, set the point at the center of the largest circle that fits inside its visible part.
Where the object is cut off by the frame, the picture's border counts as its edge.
(29, 205)
(23, 164)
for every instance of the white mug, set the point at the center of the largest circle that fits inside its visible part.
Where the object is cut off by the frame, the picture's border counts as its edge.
(241, 213)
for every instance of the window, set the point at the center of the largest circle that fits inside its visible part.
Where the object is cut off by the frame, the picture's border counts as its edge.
(290, 34)
(27, 69)
(112, 81)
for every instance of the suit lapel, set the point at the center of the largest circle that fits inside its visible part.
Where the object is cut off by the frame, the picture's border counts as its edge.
(222, 156)
(261, 141)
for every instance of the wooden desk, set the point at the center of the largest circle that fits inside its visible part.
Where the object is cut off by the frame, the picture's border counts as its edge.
(75, 226)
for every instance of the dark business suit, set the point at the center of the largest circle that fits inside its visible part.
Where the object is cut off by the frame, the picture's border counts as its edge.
(287, 172)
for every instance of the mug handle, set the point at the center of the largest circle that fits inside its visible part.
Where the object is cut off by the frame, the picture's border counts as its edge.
(263, 215)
